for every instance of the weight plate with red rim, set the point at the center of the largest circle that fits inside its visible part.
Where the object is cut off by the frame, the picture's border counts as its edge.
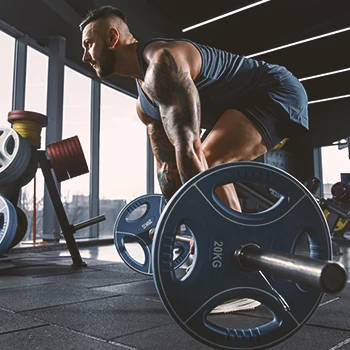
(17, 115)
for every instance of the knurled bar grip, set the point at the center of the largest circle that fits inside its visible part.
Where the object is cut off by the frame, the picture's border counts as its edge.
(327, 276)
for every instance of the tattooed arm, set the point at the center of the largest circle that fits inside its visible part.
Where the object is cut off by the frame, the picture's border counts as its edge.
(168, 81)
(164, 152)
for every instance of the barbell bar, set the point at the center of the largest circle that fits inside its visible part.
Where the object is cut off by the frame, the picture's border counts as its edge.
(327, 276)
(179, 238)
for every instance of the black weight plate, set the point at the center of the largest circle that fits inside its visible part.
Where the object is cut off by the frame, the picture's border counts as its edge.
(22, 226)
(218, 231)
(8, 224)
(127, 230)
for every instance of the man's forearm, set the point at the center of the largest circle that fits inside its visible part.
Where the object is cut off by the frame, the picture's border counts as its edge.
(169, 179)
(189, 164)
(164, 152)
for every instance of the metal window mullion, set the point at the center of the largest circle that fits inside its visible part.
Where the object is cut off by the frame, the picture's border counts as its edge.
(150, 167)
(19, 81)
(57, 53)
(317, 158)
(94, 205)
(19, 75)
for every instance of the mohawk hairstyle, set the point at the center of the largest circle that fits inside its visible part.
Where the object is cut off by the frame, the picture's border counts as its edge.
(102, 12)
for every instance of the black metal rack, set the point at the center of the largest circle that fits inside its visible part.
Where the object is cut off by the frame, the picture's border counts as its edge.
(12, 193)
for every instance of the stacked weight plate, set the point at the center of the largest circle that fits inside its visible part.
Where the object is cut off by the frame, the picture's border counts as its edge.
(67, 158)
(15, 153)
(8, 224)
(29, 125)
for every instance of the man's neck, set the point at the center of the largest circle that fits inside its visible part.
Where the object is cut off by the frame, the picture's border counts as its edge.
(130, 66)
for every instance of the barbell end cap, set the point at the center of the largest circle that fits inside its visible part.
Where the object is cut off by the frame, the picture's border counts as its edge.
(333, 278)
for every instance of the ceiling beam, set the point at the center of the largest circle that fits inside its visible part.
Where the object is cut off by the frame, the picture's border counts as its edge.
(64, 10)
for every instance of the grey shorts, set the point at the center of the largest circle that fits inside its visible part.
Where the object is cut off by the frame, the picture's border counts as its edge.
(279, 113)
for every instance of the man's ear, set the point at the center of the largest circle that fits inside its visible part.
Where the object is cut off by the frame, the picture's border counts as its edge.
(112, 37)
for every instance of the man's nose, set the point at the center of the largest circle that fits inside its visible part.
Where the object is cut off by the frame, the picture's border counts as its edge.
(86, 57)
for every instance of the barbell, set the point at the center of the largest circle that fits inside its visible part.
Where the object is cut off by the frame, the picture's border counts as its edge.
(244, 255)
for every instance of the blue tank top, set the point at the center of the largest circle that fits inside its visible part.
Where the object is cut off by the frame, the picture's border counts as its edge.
(224, 79)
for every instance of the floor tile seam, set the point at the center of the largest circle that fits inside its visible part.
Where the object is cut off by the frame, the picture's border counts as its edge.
(123, 345)
(118, 284)
(327, 327)
(142, 330)
(141, 297)
(69, 282)
(7, 310)
(39, 319)
(24, 329)
(46, 276)
(53, 324)
(107, 341)
(29, 286)
(41, 257)
(341, 344)
(62, 274)
(31, 265)
(91, 270)
(70, 303)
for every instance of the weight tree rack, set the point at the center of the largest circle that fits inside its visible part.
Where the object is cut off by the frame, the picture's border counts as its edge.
(65, 158)
(12, 192)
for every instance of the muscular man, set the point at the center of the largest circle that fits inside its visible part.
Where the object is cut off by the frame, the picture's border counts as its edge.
(248, 106)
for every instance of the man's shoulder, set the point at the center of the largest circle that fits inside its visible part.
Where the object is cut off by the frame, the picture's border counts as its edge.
(156, 47)
(179, 49)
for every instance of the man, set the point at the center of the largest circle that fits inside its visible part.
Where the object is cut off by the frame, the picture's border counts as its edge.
(248, 106)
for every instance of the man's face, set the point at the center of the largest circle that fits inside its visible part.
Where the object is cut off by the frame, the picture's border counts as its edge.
(97, 52)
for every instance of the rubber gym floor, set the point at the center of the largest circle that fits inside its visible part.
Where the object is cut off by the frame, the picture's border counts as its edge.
(47, 304)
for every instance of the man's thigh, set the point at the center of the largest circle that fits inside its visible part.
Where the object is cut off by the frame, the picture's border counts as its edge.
(233, 138)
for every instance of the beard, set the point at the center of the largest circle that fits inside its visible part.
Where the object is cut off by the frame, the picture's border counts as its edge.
(106, 65)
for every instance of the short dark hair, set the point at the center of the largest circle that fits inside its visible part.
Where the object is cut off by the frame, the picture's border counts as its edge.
(102, 12)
